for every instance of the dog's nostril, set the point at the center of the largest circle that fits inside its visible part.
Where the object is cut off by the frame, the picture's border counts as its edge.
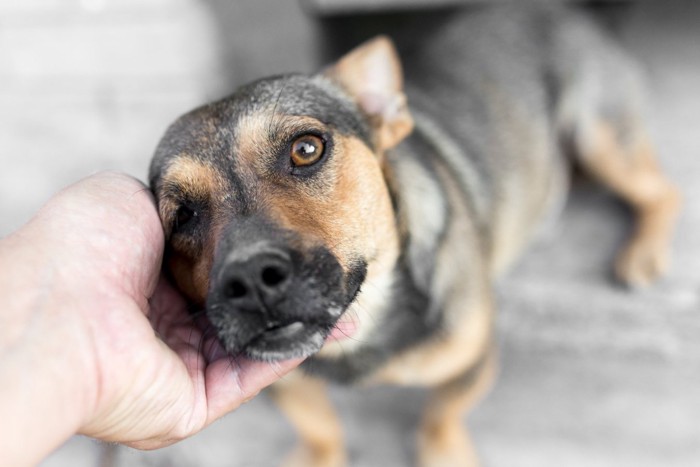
(254, 279)
(236, 289)
(273, 275)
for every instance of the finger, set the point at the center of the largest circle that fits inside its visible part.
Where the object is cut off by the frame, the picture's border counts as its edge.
(110, 223)
(126, 202)
(232, 382)
(228, 382)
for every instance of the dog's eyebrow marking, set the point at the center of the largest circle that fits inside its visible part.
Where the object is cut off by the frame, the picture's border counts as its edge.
(253, 138)
(194, 179)
(261, 135)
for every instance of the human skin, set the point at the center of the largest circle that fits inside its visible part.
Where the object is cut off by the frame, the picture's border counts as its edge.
(94, 341)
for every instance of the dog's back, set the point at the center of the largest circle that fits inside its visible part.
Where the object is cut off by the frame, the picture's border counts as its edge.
(504, 92)
(407, 229)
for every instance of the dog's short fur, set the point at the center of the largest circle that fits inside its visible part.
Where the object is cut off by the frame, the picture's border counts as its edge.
(418, 194)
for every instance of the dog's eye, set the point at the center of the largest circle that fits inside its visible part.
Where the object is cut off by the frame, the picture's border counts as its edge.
(184, 216)
(307, 150)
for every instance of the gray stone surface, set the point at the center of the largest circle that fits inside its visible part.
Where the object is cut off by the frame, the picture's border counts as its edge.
(592, 374)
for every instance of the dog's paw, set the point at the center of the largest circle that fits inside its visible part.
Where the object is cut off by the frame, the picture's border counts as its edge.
(305, 456)
(446, 448)
(642, 262)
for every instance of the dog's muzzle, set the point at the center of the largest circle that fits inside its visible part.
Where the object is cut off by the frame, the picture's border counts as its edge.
(271, 301)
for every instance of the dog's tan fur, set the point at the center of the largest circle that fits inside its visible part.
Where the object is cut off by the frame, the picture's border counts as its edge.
(629, 171)
(305, 403)
(190, 263)
(348, 208)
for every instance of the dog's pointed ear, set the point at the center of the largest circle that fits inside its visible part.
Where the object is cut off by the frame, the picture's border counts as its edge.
(372, 74)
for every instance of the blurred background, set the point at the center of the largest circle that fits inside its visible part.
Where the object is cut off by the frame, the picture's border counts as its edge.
(591, 374)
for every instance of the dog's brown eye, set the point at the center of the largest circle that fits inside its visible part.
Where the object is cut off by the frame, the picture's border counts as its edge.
(307, 150)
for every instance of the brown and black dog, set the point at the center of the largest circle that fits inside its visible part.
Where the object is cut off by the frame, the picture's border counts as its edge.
(360, 219)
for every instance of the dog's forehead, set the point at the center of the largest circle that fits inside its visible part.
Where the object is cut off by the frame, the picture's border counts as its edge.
(297, 95)
(232, 138)
(213, 130)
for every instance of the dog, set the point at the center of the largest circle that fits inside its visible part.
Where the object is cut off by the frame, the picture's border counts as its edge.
(360, 216)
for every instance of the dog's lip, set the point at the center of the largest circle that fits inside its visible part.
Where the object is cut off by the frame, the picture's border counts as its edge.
(288, 340)
(287, 331)
(282, 341)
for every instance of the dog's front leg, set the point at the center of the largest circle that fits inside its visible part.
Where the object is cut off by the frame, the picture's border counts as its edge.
(443, 438)
(304, 400)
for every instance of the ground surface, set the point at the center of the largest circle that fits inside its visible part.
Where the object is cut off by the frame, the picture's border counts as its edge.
(592, 375)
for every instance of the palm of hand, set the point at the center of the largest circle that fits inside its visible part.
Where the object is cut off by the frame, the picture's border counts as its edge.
(144, 388)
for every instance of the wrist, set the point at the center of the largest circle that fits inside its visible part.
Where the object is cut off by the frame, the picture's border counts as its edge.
(74, 288)
(42, 372)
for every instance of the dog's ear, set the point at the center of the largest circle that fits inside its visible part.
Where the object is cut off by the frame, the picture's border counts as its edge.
(372, 74)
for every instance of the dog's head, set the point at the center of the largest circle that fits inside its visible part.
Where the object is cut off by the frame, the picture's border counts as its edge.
(275, 204)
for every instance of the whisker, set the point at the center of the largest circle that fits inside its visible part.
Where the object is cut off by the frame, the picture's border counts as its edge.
(274, 110)
(232, 358)
(348, 337)
(202, 342)
(358, 307)
(275, 368)
(145, 188)
(206, 334)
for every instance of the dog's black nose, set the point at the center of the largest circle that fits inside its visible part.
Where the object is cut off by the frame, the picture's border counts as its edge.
(259, 276)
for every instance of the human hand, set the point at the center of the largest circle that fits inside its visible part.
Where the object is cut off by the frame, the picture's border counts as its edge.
(87, 291)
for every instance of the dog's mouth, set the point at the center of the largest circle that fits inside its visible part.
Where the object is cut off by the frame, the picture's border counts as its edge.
(289, 340)
(270, 340)
(283, 340)
(289, 314)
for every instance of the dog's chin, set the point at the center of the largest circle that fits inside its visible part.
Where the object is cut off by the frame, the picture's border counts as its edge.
(294, 340)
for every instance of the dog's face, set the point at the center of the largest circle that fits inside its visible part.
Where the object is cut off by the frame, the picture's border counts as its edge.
(275, 205)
